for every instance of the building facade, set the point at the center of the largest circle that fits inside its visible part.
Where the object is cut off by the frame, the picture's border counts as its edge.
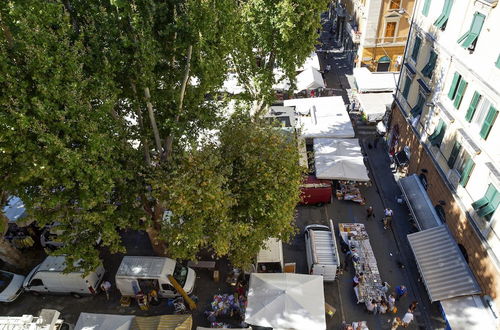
(376, 32)
(445, 117)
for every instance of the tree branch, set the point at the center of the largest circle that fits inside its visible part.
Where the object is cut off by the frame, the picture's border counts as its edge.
(144, 140)
(152, 119)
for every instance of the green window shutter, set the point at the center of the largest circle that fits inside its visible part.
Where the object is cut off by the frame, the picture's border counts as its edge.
(464, 177)
(437, 137)
(417, 109)
(429, 67)
(416, 48)
(406, 88)
(453, 87)
(460, 93)
(488, 196)
(488, 122)
(472, 106)
(497, 63)
(425, 8)
(445, 14)
(492, 205)
(454, 154)
(470, 36)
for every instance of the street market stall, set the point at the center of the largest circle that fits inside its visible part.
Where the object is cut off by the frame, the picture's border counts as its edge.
(356, 237)
(21, 231)
(94, 321)
(286, 301)
(309, 79)
(311, 62)
(374, 105)
(322, 117)
(367, 81)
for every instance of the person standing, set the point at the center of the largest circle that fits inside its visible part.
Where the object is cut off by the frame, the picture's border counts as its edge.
(413, 306)
(388, 218)
(391, 301)
(106, 287)
(347, 260)
(395, 323)
(401, 291)
(369, 212)
(385, 288)
(406, 320)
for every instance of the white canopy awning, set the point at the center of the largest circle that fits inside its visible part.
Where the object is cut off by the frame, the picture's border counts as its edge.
(91, 321)
(286, 301)
(374, 105)
(367, 81)
(311, 62)
(468, 313)
(310, 78)
(339, 159)
(325, 117)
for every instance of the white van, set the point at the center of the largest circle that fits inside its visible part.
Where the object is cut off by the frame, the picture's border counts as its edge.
(270, 258)
(321, 251)
(146, 273)
(11, 286)
(48, 277)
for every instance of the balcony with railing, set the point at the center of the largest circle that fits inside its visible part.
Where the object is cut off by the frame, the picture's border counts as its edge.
(385, 41)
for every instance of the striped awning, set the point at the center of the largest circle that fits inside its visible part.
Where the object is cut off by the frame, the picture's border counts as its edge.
(444, 270)
(163, 322)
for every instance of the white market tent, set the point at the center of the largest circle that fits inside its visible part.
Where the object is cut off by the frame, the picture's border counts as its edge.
(468, 313)
(367, 81)
(91, 321)
(311, 62)
(322, 117)
(286, 301)
(339, 159)
(374, 105)
(310, 78)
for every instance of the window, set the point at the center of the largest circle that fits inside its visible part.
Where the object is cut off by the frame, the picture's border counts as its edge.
(429, 67)
(454, 154)
(481, 112)
(417, 109)
(486, 206)
(416, 48)
(465, 170)
(488, 122)
(440, 212)
(406, 88)
(468, 40)
(454, 84)
(423, 180)
(445, 14)
(36, 282)
(460, 93)
(464, 252)
(390, 29)
(384, 63)
(167, 287)
(395, 4)
(472, 107)
(437, 137)
(425, 8)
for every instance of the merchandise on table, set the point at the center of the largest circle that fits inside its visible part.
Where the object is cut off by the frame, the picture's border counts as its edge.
(356, 237)
(226, 306)
(349, 192)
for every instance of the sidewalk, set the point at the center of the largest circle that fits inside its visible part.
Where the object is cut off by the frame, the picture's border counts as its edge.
(429, 315)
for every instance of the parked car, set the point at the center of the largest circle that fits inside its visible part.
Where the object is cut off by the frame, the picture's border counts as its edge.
(321, 251)
(11, 286)
(48, 277)
(146, 273)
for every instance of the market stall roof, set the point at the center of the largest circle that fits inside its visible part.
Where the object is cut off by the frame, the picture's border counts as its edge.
(367, 81)
(286, 301)
(311, 62)
(163, 322)
(442, 266)
(91, 321)
(322, 117)
(468, 313)
(310, 78)
(419, 202)
(339, 159)
(374, 105)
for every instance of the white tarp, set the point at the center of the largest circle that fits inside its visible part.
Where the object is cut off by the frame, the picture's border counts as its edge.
(339, 159)
(367, 81)
(286, 301)
(374, 105)
(322, 117)
(310, 78)
(468, 313)
(311, 62)
(91, 321)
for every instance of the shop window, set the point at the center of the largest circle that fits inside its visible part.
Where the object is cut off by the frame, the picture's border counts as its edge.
(440, 212)
(464, 252)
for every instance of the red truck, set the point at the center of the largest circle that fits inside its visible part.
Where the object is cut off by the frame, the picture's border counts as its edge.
(315, 191)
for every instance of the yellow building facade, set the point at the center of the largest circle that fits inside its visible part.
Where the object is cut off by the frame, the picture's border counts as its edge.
(375, 32)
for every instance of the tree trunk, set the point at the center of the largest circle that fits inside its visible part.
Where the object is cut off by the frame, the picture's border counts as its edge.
(144, 141)
(12, 256)
(153, 121)
(159, 246)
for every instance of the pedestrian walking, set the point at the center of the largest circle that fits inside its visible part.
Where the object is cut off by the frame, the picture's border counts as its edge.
(328, 68)
(395, 323)
(369, 213)
(413, 306)
(385, 287)
(406, 320)
(391, 302)
(401, 291)
(388, 213)
(106, 287)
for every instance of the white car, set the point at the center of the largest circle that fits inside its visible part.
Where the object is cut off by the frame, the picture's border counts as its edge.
(11, 286)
